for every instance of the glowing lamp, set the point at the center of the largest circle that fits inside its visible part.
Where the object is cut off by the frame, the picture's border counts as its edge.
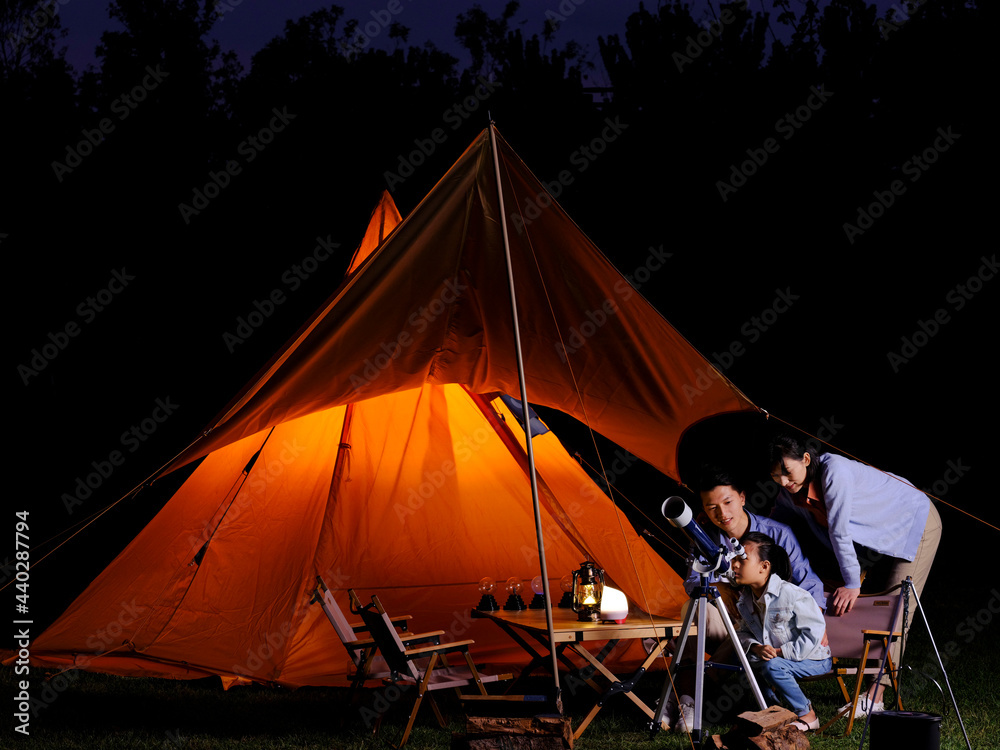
(514, 602)
(588, 588)
(614, 605)
(487, 603)
(538, 600)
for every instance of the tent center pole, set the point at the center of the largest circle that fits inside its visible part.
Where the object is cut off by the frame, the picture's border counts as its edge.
(527, 425)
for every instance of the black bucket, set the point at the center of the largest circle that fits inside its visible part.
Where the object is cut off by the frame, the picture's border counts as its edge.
(910, 729)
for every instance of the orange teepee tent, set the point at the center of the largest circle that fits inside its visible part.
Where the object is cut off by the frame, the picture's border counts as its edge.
(371, 451)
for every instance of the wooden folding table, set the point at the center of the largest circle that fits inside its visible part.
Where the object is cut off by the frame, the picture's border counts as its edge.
(572, 634)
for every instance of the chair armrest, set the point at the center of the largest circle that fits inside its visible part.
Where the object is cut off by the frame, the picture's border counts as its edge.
(868, 633)
(416, 653)
(415, 638)
(418, 637)
(401, 621)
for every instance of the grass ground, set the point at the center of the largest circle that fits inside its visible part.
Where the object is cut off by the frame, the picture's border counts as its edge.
(99, 711)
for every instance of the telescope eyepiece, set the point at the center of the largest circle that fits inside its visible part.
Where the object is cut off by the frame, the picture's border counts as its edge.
(738, 550)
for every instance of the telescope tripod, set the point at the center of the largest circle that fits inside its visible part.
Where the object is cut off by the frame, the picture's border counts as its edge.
(700, 598)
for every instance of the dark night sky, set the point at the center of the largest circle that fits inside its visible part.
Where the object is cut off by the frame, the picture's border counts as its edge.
(247, 25)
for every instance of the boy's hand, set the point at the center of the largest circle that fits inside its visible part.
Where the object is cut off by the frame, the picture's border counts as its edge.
(764, 652)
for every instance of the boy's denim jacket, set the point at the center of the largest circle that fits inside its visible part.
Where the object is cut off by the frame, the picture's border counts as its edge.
(792, 620)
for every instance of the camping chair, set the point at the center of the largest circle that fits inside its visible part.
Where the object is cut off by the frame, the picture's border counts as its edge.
(363, 651)
(863, 635)
(435, 674)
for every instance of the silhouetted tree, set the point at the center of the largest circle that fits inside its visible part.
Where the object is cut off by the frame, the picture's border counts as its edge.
(485, 38)
(165, 86)
(29, 33)
(38, 94)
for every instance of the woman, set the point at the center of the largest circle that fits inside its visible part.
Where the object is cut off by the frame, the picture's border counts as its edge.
(854, 508)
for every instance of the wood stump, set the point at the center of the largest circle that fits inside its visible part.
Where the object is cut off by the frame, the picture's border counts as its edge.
(763, 730)
(514, 733)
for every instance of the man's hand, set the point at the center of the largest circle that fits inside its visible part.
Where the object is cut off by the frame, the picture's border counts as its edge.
(843, 600)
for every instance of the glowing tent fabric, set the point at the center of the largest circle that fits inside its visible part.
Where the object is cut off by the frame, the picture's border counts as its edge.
(414, 495)
(431, 305)
(366, 452)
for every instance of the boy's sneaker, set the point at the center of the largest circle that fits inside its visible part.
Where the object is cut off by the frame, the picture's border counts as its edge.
(864, 707)
(685, 716)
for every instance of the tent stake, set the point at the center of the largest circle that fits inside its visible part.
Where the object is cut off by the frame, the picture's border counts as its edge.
(527, 425)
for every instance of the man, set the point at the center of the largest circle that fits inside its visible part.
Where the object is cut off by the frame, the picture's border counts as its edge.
(723, 502)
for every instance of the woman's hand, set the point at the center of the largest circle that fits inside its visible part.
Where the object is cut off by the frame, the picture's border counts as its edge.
(843, 600)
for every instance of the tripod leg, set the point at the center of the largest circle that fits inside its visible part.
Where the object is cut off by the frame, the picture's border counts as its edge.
(698, 604)
(751, 677)
(699, 675)
(937, 653)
